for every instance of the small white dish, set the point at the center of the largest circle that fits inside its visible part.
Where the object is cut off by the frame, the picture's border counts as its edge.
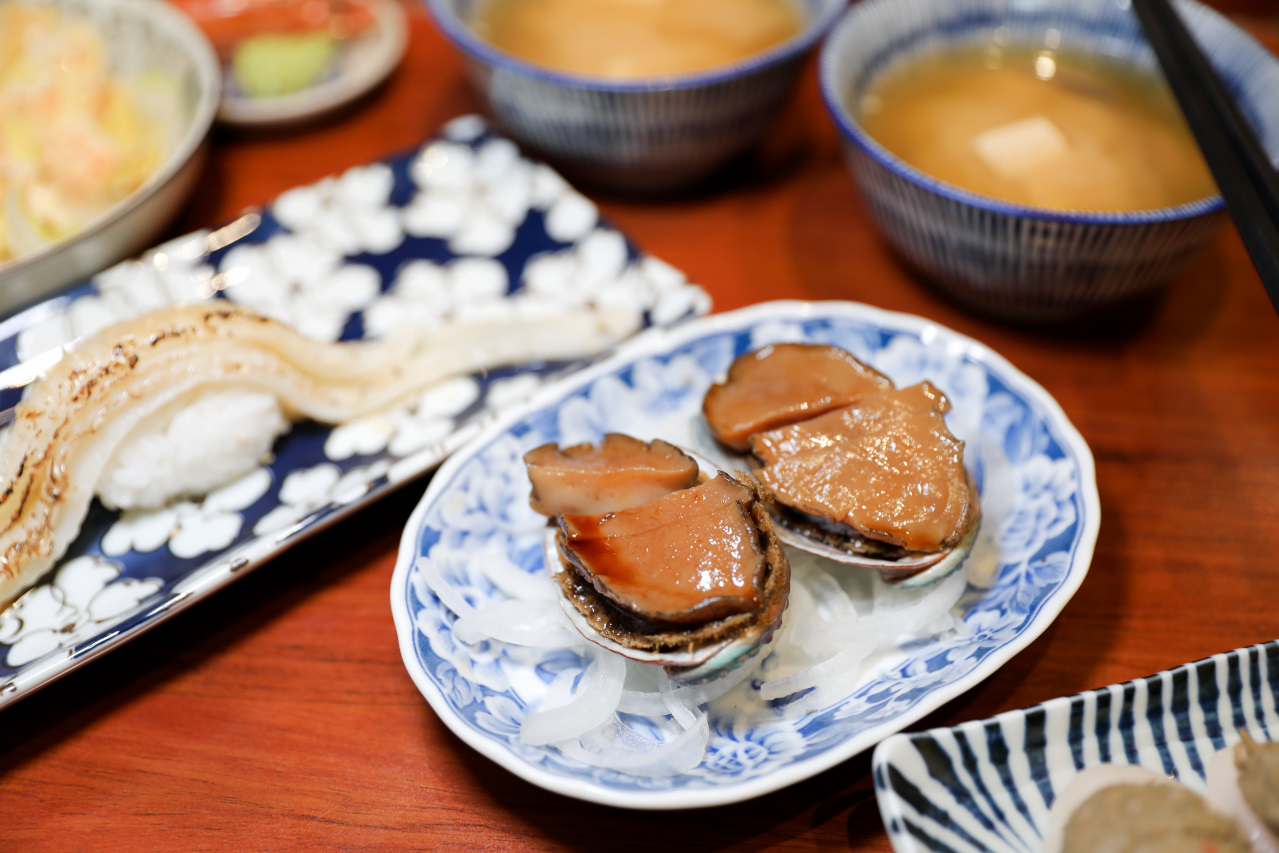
(363, 62)
(140, 36)
(1040, 510)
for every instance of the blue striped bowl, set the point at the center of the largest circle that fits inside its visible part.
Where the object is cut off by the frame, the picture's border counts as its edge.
(656, 134)
(1019, 261)
(988, 785)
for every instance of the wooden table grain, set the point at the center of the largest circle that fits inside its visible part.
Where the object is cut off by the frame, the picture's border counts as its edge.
(276, 715)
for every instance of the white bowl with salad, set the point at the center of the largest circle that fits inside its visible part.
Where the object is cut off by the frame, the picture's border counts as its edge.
(107, 105)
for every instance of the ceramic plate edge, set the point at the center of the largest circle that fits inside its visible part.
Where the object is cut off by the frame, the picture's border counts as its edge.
(206, 67)
(896, 744)
(656, 340)
(392, 41)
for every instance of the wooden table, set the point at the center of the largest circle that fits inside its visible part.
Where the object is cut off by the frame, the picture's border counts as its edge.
(277, 715)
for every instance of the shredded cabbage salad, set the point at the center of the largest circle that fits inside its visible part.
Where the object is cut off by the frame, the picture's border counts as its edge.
(75, 139)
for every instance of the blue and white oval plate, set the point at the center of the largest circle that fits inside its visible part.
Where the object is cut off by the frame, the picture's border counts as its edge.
(987, 785)
(1040, 519)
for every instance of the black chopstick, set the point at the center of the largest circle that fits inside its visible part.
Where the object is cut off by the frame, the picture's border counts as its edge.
(1243, 171)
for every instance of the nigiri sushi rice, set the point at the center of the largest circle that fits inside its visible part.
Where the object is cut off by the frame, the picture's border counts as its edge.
(204, 443)
(186, 399)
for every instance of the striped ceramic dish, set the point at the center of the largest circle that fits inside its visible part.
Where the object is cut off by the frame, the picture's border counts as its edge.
(1012, 259)
(645, 135)
(988, 785)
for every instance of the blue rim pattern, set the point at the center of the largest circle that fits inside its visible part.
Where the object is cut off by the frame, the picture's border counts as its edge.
(476, 507)
(1018, 261)
(987, 785)
(1238, 57)
(450, 23)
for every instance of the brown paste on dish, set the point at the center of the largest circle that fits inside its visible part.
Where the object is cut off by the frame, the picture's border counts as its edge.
(1150, 818)
(1258, 768)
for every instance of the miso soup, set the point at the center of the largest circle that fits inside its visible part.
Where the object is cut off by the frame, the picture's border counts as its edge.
(1039, 127)
(635, 38)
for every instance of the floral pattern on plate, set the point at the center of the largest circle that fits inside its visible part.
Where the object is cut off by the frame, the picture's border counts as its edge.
(1040, 511)
(344, 258)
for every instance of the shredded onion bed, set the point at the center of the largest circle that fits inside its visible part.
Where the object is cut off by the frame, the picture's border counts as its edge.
(837, 624)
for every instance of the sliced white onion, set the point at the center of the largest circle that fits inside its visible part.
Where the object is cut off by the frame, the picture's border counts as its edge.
(653, 702)
(616, 746)
(834, 670)
(514, 582)
(836, 674)
(448, 594)
(831, 601)
(538, 624)
(883, 628)
(681, 713)
(468, 633)
(594, 702)
(535, 624)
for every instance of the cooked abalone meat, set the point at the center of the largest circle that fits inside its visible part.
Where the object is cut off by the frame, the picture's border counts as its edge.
(618, 473)
(693, 578)
(856, 469)
(784, 383)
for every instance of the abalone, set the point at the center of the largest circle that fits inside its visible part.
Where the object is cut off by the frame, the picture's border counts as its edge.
(852, 467)
(694, 579)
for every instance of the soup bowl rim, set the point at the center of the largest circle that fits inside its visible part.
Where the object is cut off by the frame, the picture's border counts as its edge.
(463, 37)
(852, 131)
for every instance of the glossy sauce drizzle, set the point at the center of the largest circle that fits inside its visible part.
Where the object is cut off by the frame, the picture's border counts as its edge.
(692, 550)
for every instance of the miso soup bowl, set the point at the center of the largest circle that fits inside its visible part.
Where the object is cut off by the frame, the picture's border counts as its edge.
(1009, 259)
(645, 135)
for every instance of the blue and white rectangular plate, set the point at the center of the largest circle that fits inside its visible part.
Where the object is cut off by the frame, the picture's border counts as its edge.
(987, 785)
(1040, 519)
(463, 228)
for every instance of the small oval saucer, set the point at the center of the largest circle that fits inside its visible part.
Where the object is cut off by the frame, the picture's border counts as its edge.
(362, 63)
